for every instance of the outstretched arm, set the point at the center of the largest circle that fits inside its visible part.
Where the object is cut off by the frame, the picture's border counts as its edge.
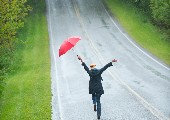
(107, 65)
(83, 64)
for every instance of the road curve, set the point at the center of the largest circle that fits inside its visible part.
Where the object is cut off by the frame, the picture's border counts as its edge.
(137, 87)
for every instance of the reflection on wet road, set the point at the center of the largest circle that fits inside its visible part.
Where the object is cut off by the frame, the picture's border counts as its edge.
(137, 87)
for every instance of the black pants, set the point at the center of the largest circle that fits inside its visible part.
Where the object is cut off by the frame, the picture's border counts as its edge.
(96, 99)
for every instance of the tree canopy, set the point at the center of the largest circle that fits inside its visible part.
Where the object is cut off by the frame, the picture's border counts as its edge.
(12, 13)
(158, 10)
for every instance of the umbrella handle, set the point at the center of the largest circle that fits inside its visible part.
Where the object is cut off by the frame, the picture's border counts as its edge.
(74, 52)
(77, 55)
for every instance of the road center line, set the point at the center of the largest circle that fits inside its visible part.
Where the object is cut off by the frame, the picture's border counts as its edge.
(115, 76)
(132, 41)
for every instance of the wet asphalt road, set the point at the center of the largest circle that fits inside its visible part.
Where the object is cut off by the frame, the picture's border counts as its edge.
(137, 87)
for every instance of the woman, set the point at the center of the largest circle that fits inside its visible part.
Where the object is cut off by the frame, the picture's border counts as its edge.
(95, 84)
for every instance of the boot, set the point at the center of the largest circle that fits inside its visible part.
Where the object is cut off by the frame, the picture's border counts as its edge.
(95, 108)
(98, 117)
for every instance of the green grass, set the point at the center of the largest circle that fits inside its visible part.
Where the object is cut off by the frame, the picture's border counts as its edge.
(140, 29)
(27, 93)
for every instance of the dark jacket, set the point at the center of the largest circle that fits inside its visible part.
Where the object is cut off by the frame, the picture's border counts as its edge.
(95, 84)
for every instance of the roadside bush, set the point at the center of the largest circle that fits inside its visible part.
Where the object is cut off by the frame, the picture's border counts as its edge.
(157, 12)
(12, 13)
(161, 12)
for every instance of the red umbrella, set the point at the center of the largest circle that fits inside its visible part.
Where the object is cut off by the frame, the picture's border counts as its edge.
(68, 44)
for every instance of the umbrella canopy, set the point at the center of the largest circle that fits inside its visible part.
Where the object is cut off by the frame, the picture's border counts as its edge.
(68, 44)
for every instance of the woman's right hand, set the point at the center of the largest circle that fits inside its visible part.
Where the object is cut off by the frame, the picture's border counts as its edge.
(114, 60)
(79, 58)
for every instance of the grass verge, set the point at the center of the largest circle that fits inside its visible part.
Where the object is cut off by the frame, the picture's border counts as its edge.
(140, 29)
(27, 94)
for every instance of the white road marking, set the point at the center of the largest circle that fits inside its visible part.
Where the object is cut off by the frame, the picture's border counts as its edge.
(148, 106)
(55, 61)
(133, 42)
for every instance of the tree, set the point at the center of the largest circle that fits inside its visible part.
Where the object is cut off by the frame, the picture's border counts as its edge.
(161, 12)
(12, 13)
